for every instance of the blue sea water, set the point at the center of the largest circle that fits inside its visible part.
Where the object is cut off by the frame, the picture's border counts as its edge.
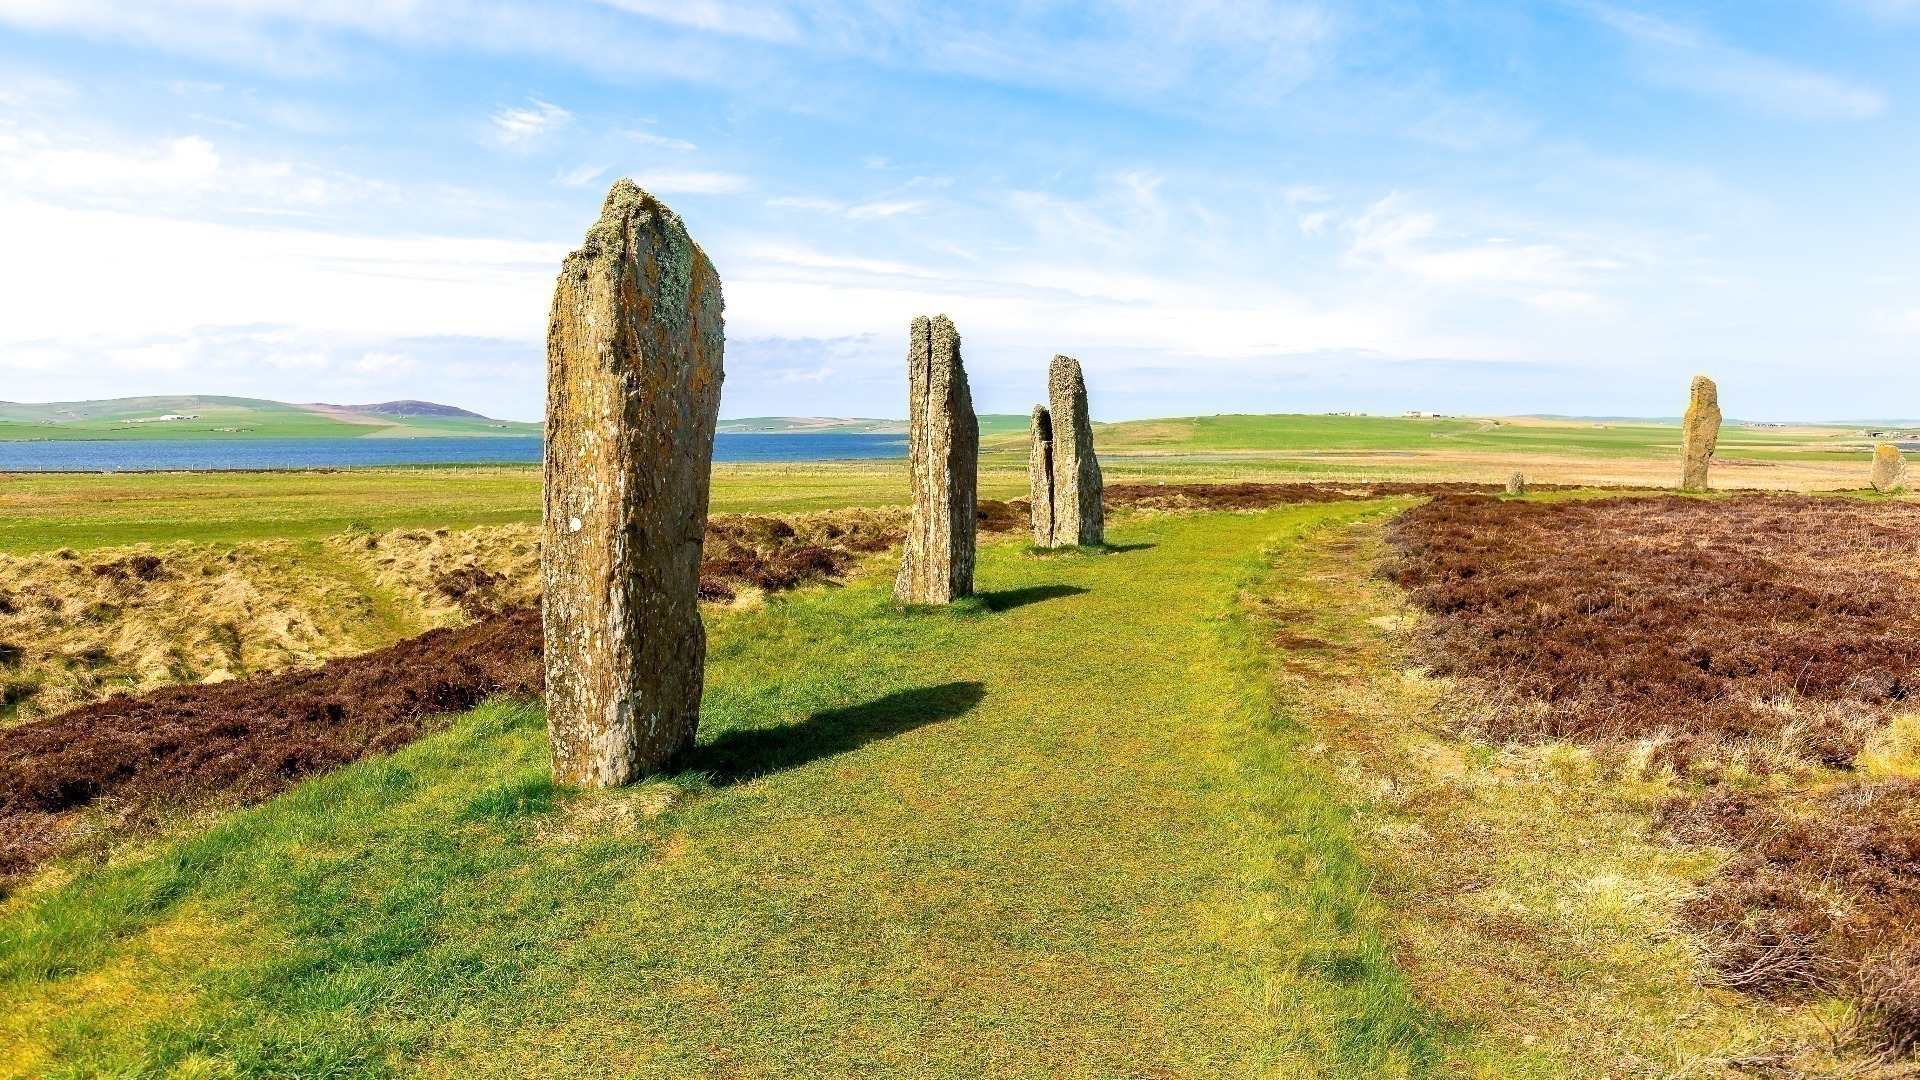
(104, 456)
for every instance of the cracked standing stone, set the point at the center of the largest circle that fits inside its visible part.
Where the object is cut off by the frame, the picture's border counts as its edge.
(1040, 477)
(1077, 514)
(634, 347)
(943, 457)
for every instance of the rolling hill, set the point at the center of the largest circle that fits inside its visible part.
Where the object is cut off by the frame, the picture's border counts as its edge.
(179, 417)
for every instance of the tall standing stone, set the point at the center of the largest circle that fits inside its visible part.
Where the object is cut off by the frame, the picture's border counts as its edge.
(1040, 477)
(1889, 468)
(633, 389)
(1517, 484)
(1077, 514)
(943, 455)
(1699, 433)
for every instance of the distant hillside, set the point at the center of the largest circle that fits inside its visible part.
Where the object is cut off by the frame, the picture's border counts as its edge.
(407, 408)
(990, 424)
(796, 425)
(196, 417)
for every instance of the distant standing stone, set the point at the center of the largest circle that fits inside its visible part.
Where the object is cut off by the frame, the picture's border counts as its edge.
(1700, 432)
(1517, 484)
(1889, 468)
(1040, 477)
(634, 348)
(943, 458)
(1077, 514)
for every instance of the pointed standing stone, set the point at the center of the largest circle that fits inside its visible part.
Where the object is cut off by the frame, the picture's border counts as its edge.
(1699, 433)
(1517, 484)
(1077, 514)
(1040, 477)
(943, 456)
(634, 348)
(1889, 468)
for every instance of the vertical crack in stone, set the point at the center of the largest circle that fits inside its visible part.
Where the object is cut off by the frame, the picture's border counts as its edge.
(943, 457)
(1078, 517)
(1700, 432)
(634, 349)
(1040, 477)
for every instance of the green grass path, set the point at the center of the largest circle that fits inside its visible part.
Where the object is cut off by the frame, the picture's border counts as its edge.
(1056, 831)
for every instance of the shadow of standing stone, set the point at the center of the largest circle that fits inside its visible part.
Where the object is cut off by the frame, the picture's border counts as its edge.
(943, 458)
(634, 348)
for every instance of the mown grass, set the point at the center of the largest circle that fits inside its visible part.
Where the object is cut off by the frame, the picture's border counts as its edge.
(1059, 830)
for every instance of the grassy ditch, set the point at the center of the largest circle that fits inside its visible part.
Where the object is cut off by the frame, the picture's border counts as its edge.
(1053, 831)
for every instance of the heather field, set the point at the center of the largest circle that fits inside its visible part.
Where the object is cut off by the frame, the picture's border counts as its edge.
(1293, 778)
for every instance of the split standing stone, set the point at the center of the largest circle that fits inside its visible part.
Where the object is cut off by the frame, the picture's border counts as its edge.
(634, 348)
(943, 456)
(1700, 432)
(1040, 477)
(1077, 514)
(1889, 468)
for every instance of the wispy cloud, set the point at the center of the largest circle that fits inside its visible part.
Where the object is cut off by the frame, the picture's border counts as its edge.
(647, 138)
(692, 182)
(580, 177)
(177, 170)
(1683, 57)
(517, 128)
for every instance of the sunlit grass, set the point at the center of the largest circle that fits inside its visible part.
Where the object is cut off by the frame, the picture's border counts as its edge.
(1058, 830)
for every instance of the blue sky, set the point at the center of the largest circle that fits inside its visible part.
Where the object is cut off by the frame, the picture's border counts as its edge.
(1218, 206)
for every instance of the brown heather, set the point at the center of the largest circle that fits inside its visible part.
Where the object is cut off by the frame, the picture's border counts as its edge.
(1774, 629)
(1779, 632)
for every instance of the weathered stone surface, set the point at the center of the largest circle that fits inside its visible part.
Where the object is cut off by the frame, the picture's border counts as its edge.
(634, 347)
(1077, 514)
(1700, 432)
(943, 457)
(1889, 468)
(1040, 477)
(1517, 484)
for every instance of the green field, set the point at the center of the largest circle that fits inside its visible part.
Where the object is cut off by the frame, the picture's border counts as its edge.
(228, 418)
(1308, 434)
(1168, 809)
(1053, 831)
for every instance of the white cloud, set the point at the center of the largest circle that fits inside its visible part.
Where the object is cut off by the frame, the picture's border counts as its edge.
(193, 274)
(519, 128)
(692, 182)
(182, 169)
(1394, 235)
(1681, 57)
(581, 176)
(647, 138)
